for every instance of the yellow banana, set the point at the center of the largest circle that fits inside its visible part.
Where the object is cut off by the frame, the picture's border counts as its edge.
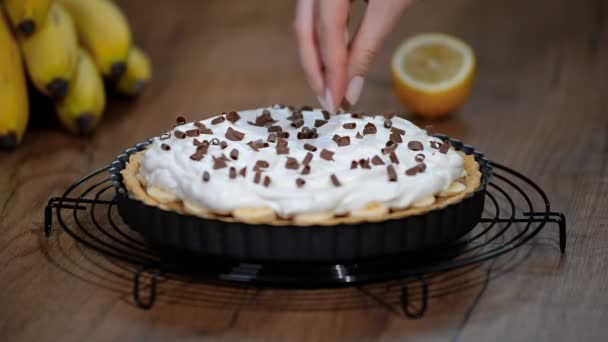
(51, 53)
(14, 109)
(81, 110)
(27, 16)
(138, 73)
(104, 31)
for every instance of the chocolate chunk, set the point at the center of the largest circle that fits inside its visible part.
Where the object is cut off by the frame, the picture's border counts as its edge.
(193, 132)
(165, 147)
(415, 145)
(233, 117)
(234, 135)
(282, 150)
(264, 119)
(376, 160)
(335, 180)
(206, 131)
(266, 181)
(306, 169)
(319, 123)
(218, 120)
(364, 163)
(370, 128)
(234, 154)
(396, 137)
(388, 123)
(300, 182)
(435, 144)
(397, 130)
(419, 157)
(179, 134)
(307, 159)
(306, 108)
(243, 172)
(353, 164)
(275, 129)
(232, 173)
(223, 145)
(327, 154)
(445, 147)
(359, 136)
(215, 141)
(310, 147)
(199, 124)
(392, 175)
(344, 141)
(272, 137)
(284, 135)
(165, 136)
(297, 123)
(349, 125)
(198, 155)
(292, 163)
(260, 164)
(206, 176)
(326, 114)
(180, 120)
(219, 163)
(394, 158)
(257, 178)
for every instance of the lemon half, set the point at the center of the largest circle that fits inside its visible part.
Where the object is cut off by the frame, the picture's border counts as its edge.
(433, 73)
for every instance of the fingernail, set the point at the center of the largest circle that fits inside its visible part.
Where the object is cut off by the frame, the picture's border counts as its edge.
(329, 101)
(354, 90)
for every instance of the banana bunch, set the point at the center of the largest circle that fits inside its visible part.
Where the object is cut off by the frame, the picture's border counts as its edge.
(66, 48)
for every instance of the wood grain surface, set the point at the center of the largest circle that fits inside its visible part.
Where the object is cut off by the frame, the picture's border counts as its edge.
(540, 105)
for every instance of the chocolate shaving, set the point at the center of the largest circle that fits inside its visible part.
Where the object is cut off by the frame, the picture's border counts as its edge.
(307, 159)
(319, 123)
(260, 164)
(364, 163)
(266, 181)
(335, 138)
(180, 120)
(344, 141)
(388, 123)
(300, 182)
(416, 169)
(369, 128)
(165, 136)
(257, 178)
(307, 133)
(206, 131)
(219, 163)
(376, 160)
(390, 143)
(389, 115)
(292, 163)
(306, 169)
(218, 120)
(392, 175)
(297, 115)
(193, 132)
(196, 142)
(415, 145)
(389, 149)
(272, 137)
(234, 154)
(282, 150)
(419, 157)
(359, 136)
(198, 155)
(165, 147)
(394, 158)
(355, 116)
(233, 117)
(353, 164)
(326, 114)
(179, 134)
(435, 144)
(243, 172)
(297, 123)
(264, 119)
(215, 141)
(306, 108)
(234, 135)
(310, 147)
(202, 148)
(282, 143)
(327, 155)
(232, 173)
(257, 144)
(199, 124)
(223, 145)
(429, 130)
(397, 130)
(335, 180)
(445, 147)
(396, 137)
(284, 135)
(206, 176)
(275, 129)
(349, 125)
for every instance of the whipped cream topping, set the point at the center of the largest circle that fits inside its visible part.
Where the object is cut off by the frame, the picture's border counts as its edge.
(351, 164)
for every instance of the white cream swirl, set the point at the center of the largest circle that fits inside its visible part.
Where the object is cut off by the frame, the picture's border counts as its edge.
(175, 172)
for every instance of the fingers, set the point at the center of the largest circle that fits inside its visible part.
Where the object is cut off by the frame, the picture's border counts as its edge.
(332, 43)
(304, 24)
(378, 21)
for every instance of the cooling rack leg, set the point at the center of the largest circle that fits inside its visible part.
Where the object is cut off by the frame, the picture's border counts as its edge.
(405, 300)
(561, 220)
(144, 304)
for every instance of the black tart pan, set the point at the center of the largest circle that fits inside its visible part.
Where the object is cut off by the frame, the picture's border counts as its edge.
(171, 231)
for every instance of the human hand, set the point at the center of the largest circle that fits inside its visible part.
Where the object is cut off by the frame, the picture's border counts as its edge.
(335, 67)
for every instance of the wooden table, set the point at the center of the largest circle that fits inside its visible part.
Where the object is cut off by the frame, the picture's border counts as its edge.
(539, 105)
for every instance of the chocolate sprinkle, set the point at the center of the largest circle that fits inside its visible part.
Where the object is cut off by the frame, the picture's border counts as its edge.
(243, 172)
(306, 169)
(300, 182)
(272, 137)
(165, 147)
(420, 157)
(180, 120)
(364, 163)
(349, 125)
(326, 114)
(307, 159)
(218, 120)
(445, 147)
(370, 128)
(275, 129)
(215, 141)
(292, 163)
(415, 145)
(234, 154)
(344, 141)
(319, 123)
(394, 158)
(353, 164)
(219, 163)
(396, 137)
(232, 173)
(310, 147)
(392, 175)
(376, 160)
(233, 117)
(165, 136)
(179, 134)
(327, 155)
(206, 176)
(335, 180)
(206, 131)
(234, 135)
(257, 178)
(266, 181)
